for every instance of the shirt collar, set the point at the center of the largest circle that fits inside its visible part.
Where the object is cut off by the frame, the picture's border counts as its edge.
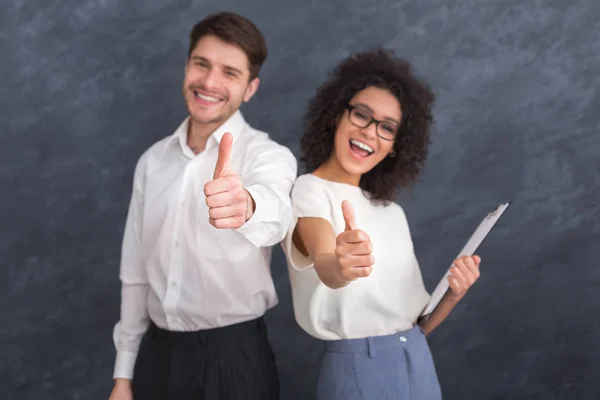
(234, 124)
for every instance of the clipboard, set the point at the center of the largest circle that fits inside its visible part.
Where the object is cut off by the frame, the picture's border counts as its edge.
(471, 246)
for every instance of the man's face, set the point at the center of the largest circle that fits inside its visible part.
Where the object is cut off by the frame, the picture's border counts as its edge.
(216, 81)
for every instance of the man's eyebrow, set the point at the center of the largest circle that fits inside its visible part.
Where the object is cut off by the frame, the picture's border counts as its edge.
(230, 68)
(227, 67)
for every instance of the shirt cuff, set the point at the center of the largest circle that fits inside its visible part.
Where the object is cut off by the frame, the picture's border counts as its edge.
(257, 216)
(124, 364)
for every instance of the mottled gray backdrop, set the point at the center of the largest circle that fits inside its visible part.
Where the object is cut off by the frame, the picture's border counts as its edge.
(87, 86)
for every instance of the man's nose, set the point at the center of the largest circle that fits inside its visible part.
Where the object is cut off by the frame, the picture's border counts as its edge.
(210, 79)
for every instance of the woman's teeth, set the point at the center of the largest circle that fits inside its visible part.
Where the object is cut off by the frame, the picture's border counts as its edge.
(362, 146)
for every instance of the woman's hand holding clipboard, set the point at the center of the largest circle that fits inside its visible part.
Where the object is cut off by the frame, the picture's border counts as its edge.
(471, 246)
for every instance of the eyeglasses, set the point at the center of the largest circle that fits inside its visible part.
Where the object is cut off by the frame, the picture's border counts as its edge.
(361, 118)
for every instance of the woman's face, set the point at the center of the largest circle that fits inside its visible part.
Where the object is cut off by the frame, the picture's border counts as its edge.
(359, 145)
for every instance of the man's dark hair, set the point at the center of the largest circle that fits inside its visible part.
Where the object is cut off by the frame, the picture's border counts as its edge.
(379, 68)
(233, 29)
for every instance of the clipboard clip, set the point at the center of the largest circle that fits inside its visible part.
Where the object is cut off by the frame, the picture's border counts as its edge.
(496, 210)
(493, 213)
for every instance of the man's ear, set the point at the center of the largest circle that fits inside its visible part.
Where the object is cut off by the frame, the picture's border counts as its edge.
(251, 89)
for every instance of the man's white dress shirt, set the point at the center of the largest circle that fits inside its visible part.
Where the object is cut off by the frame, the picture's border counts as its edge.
(177, 269)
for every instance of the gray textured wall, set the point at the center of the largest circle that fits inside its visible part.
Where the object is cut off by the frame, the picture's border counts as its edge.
(87, 86)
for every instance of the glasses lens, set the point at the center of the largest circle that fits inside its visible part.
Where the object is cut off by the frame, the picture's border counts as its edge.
(359, 117)
(387, 131)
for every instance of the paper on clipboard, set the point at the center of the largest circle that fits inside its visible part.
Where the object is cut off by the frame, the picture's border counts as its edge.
(472, 244)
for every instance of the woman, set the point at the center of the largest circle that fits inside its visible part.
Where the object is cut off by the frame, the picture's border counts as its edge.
(356, 283)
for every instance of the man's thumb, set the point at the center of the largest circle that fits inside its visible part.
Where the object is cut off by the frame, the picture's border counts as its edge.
(224, 155)
(348, 212)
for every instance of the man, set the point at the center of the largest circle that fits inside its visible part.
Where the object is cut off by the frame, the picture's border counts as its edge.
(208, 204)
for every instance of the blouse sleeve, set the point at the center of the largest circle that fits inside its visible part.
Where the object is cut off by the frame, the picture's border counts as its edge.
(309, 200)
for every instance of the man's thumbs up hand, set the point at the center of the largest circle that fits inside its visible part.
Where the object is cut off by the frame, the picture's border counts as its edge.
(223, 167)
(229, 203)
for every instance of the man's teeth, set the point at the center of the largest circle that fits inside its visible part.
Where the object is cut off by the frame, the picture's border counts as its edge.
(207, 98)
(362, 146)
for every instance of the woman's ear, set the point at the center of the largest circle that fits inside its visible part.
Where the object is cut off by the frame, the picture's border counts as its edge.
(336, 123)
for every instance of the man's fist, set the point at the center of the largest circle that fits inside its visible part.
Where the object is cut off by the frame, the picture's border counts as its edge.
(229, 203)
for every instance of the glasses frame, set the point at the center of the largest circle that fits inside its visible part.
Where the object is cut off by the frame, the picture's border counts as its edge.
(351, 108)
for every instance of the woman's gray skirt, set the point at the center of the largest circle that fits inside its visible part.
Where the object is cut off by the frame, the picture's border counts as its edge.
(393, 367)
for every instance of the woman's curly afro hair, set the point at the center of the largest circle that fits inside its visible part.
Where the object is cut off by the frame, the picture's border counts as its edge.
(379, 68)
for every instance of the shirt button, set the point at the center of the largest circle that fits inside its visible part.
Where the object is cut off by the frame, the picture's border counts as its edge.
(174, 284)
(402, 339)
(177, 243)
